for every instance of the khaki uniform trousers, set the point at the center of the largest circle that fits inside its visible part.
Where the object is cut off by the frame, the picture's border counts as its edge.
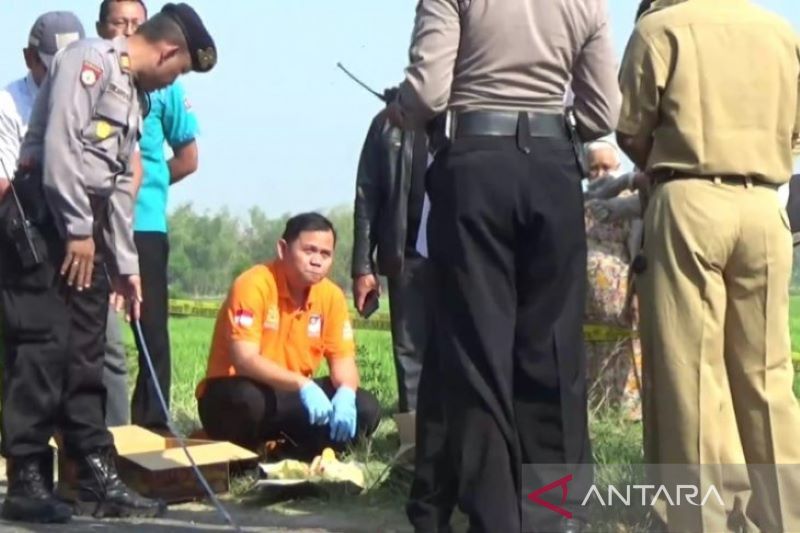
(717, 370)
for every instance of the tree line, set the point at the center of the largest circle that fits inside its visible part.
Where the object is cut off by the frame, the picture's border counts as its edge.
(209, 249)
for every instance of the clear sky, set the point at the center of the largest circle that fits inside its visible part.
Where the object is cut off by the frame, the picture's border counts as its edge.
(282, 127)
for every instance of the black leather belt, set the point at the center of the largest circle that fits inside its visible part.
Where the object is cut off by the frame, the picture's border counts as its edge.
(506, 124)
(727, 179)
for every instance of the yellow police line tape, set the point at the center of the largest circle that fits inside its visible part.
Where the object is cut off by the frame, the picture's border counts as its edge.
(196, 308)
(591, 332)
(209, 309)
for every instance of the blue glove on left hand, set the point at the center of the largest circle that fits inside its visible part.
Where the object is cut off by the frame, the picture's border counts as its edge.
(316, 403)
(343, 419)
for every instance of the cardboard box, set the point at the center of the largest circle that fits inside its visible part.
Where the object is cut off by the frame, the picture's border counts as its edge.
(157, 467)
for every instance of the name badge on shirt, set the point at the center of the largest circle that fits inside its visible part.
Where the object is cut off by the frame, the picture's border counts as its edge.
(314, 326)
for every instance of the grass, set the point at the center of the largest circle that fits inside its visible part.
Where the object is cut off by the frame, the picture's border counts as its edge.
(615, 440)
(388, 488)
(190, 338)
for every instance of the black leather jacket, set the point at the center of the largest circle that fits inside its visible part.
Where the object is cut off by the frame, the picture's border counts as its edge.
(381, 205)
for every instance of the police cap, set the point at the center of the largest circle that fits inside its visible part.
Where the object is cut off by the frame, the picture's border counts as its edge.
(201, 45)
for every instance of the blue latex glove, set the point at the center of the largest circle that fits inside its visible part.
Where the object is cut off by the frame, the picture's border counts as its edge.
(316, 403)
(343, 421)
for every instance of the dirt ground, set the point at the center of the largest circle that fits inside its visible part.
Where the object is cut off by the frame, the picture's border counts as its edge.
(251, 513)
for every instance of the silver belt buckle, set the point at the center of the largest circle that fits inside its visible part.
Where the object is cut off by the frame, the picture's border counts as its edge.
(450, 119)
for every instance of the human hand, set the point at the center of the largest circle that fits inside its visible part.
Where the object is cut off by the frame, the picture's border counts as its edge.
(79, 262)
(316, 403)
(606, 187)
(127, 290)
(343, 421)
(362, 286)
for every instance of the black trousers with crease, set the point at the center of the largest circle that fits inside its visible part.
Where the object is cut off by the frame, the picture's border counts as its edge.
(507, 241)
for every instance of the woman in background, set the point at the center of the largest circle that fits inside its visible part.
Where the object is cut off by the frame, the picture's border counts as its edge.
(613, 232)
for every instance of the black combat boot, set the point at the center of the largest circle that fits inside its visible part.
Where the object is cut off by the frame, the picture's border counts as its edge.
(46, 468)
(30, 491)
(101, 493)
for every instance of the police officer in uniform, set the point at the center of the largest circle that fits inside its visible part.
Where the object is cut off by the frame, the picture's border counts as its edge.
(170, 121)
(121, 18)
(710, 112)
(506, 234)
(74, 194)
(51, 32)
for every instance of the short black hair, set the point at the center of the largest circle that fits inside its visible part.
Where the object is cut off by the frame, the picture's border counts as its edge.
(105, 7)
(644, 5)
(162, 27)
(307, 222)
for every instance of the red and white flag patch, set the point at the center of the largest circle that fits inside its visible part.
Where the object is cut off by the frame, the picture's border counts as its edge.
(243, 318)
(90, 73)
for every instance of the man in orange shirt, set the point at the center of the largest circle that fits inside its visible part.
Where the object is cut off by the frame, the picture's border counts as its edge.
(279, 320)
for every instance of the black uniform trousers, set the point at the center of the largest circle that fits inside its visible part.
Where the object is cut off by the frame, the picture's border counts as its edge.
(54, 344)
(248, 413)
(146, 411)
(434, 489)
(411, 317)
(507, 239)
(410, 311)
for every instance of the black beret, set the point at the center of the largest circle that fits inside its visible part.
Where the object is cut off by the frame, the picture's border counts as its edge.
(201, 45)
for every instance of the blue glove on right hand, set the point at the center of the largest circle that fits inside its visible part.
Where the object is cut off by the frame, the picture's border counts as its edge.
(343, 419)
(316, 403)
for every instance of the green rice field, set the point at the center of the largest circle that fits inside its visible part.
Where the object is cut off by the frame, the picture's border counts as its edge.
(615, 440)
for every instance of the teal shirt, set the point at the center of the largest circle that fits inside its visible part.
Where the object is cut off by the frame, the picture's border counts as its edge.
(170, 120)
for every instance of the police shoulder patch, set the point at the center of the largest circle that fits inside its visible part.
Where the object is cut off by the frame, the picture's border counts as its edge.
(90, 74)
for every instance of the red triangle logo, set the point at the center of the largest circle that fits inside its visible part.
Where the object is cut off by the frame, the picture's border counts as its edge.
(535, 495)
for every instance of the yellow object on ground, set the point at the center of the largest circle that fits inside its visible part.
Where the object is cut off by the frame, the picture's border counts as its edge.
(324, 468)
(327, 468)
(289, 469)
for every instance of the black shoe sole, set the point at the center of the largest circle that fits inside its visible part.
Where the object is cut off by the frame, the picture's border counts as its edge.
(113, 510)
(24, 515)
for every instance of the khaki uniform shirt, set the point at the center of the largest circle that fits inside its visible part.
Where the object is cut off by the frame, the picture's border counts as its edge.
(715, 84)
(84, 127)
(514, 55)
